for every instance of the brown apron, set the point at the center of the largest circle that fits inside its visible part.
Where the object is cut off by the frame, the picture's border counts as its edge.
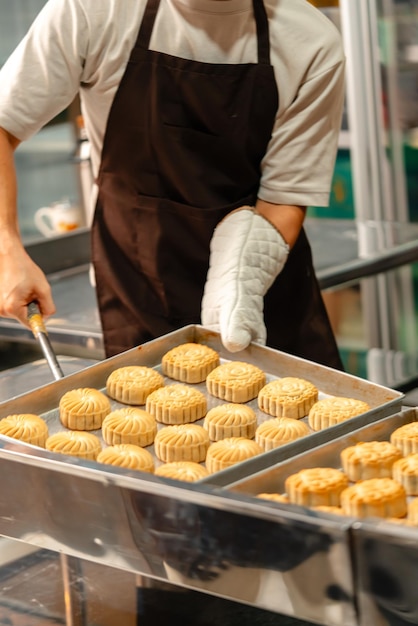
(183, 147)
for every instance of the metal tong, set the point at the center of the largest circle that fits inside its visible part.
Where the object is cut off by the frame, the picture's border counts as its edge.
(36, 322)
(74, 592)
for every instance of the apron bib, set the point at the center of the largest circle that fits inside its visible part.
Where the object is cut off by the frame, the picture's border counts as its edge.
(183, 147)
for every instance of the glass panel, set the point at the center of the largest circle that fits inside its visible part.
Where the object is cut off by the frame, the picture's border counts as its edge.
(398, 40)
(341, 204)
(345, 310)
(394, 367)
(46, 174)
(16, 17)
(376, 181)
(45, 164)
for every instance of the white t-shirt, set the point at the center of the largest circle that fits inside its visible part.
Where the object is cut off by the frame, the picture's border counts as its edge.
(84, 45)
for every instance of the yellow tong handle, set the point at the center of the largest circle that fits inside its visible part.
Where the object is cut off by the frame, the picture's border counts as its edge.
(35, 319)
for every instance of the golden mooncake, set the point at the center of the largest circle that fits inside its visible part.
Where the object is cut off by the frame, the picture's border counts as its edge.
(369, 459)
(133, 384)
(129, 425)
(83, 409)
(406, 438)
(279, 431)
(189, 362)
(230, 420)
(287, 397)
(129, 456)
(177, 404)
(405, 471)
(316, 486)
(334, 510)
(187, 471)
(181, 442)
(227, 452)
(235, 381)
(26, 427)
(81, 444)
(331, 411)
(274, 497)
(413, 511)
(376, 497)
(404, 521)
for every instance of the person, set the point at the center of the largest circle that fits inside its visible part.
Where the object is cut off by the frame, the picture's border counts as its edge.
(213, 125)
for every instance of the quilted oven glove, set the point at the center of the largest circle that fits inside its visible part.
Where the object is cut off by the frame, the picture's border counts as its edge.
(246, 255)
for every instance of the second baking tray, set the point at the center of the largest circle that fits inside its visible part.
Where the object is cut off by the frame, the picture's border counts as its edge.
(273, 478)
(384, 555)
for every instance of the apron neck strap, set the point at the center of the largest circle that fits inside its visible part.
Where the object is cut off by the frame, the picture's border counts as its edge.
(260, 16)
(263, 37)
(147, 24)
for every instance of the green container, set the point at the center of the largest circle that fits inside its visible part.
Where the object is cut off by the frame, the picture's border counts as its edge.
(411, 169)
(341, 203)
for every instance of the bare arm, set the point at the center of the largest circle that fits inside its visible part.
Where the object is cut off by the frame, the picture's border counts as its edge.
(21, 280)
(286, 218)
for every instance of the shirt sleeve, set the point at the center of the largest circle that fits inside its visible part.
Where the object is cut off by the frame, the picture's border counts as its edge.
(43, 74)
(299, 163)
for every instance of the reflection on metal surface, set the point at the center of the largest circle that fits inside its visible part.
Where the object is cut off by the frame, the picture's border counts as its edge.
(74, 593)
(387, 565)
(188, 536)
(33, 592)
(24, 378)
(245, 557)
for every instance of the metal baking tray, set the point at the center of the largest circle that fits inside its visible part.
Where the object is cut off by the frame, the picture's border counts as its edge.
(384, 560)
(198, 536)
(273, 478)
(386, 566)
(382, 401)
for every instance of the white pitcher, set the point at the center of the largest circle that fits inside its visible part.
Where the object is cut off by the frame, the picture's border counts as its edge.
(58, 218)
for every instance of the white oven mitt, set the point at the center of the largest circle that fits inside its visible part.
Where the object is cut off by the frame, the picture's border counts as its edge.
(246, 255)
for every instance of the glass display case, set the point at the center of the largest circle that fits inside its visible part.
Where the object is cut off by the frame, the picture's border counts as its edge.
(376, 180)
(14, 23)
